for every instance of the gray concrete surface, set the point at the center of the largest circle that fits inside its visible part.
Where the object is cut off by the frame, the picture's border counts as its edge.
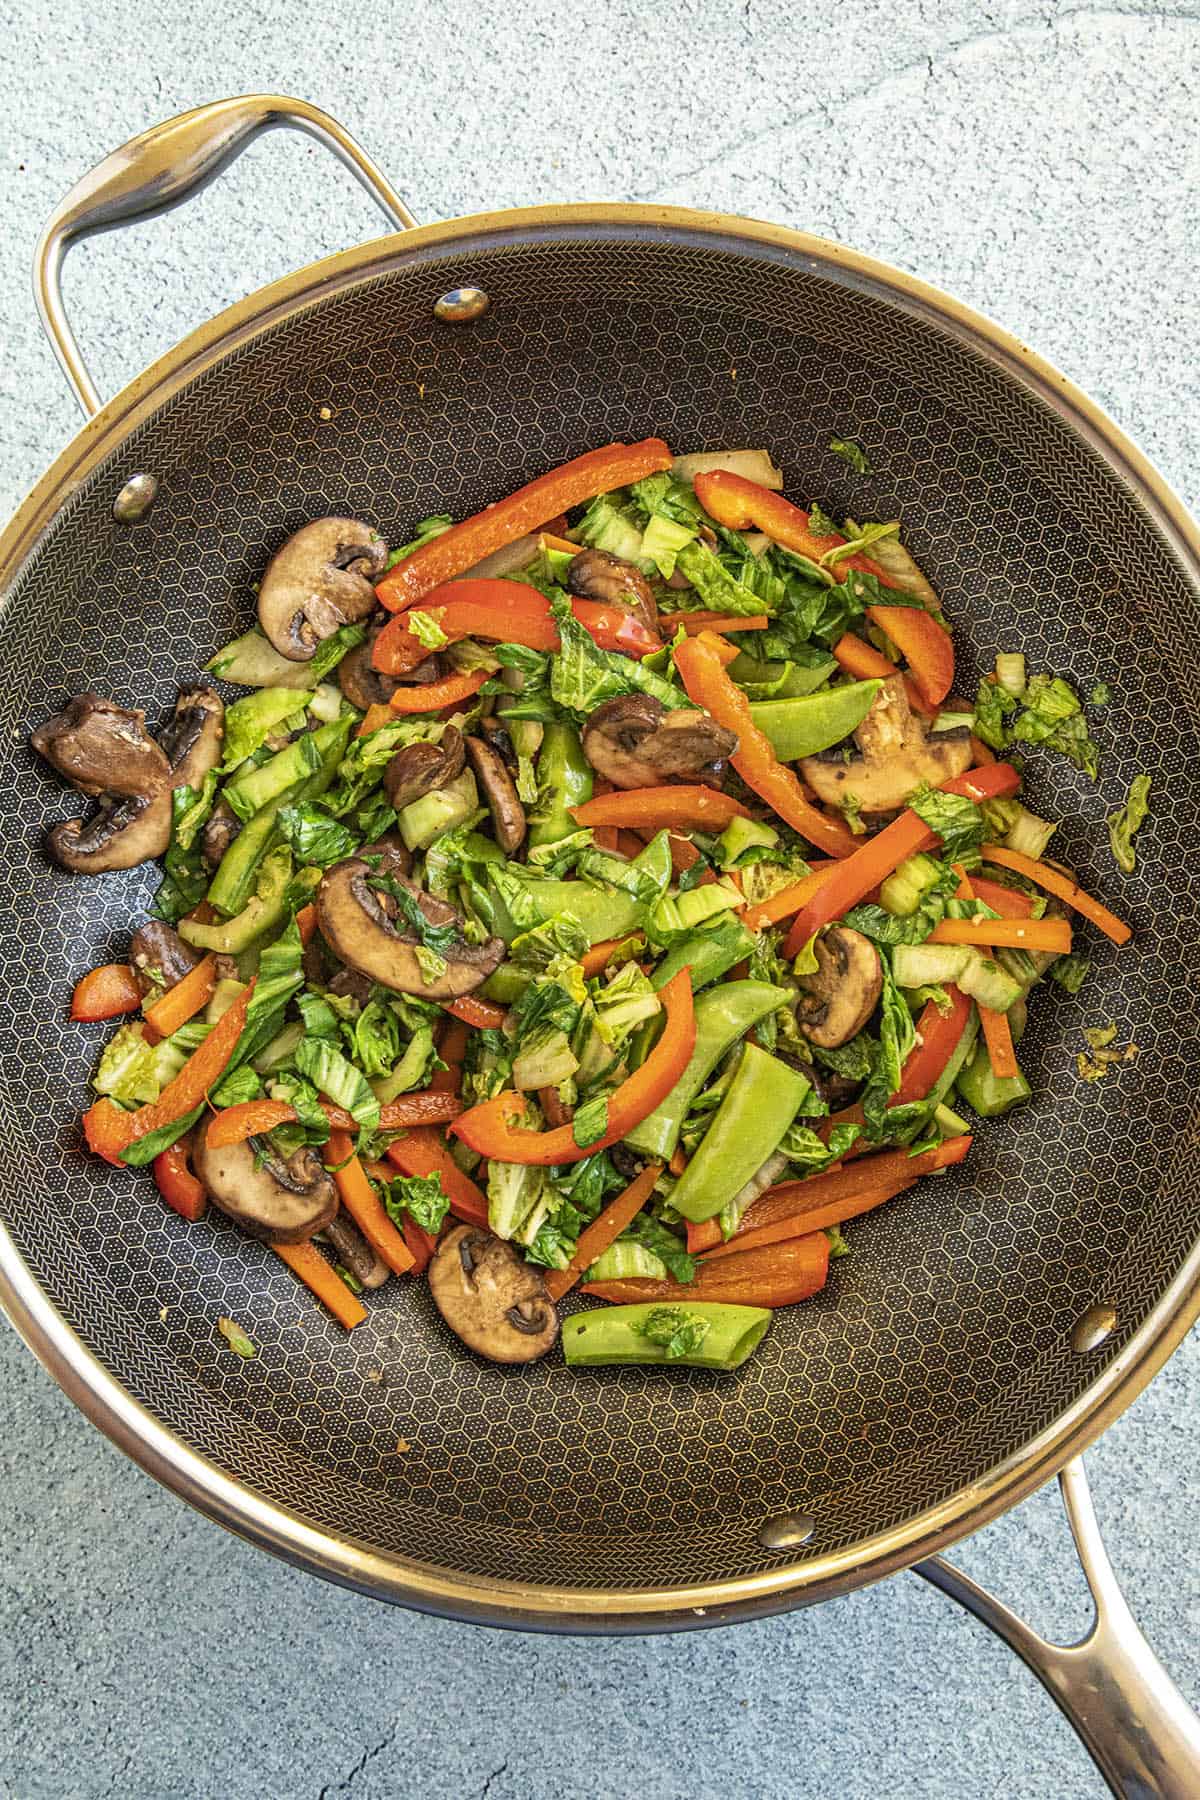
(1040, 161)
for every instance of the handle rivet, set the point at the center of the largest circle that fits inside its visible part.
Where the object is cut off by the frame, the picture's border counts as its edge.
(787, 1531)
(461, 305)
(135, 499)
(1090, 1330)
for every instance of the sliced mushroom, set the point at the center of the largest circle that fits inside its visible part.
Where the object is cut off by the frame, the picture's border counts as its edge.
(363, 685)
(321, 578)
(840, 997)
(354, 1251)
(500, 792)
(102, 748)
(395, 857)
(130, 829)
(220, 829)
(356, 923)
(595, 575)
(159, 957)
(635, 742)
(353, 984)
(420, 768)
(896, 757)
(491, 1298)
(272, 1198)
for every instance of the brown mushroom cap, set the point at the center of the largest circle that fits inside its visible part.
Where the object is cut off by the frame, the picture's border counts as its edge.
(131, 829)
(500, 792)
(287, 1201)
(491, 1298)
(220, 829)
(159, 957)
(896, 757)
(418, 769)
(321, 578)
(102, 748)
(355, 923)
(363, 685)
(595, 575)
(635, 742)
(840, 997)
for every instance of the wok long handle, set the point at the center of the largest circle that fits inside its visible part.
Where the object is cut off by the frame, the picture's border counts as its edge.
(1142, 1734)
(159, 169)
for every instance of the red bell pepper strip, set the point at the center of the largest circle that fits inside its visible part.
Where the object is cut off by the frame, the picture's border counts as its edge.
(1063, 887)
(877, 858)
(489, 1128)
(105, 993)
(755, 761)
(1019, 934)
(434, 696)
(175, 1182)
(472, 1009)
(306, 1261)
(532, 506)
(506, 612)
(183, 1001)
(603, 1231)
(420, 1243)
(423, 1152)
(775, 1276)
(109, 1131)
(254, 1117)
(364, 1205)
(997, 1032)
(1009, 902)
(683, 808)
(306, 923)
(452, 1048)
(832, 1198)
(742, 505)
(938, 1035)
(866, 663)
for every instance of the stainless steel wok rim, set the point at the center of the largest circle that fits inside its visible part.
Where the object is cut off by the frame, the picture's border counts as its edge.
(406, 1580)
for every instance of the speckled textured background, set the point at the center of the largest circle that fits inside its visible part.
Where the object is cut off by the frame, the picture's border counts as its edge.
(1040, 164)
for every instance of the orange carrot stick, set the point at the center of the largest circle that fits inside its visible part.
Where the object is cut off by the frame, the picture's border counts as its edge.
(365, 1207)
(604, 1231)
(1062, 887)
(183, 1001)
(1019, 934)
(306, 1261)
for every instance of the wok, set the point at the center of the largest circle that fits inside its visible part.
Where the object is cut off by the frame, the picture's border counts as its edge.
(987, 1326)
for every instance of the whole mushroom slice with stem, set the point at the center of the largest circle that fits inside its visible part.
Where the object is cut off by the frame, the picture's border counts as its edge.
(635, 742)
(839, 997)
(596, 575)
(127, 829)
(896, 756)
(357, 922)
(323, 577)
(500, 792)
(102, 748)
(270, 1196)
(418, 769)
(491, 1298)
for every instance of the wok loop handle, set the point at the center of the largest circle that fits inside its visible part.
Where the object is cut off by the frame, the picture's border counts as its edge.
(159, 169)
(1140, 1731)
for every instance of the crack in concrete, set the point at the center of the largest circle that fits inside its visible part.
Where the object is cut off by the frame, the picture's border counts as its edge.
(926, 61)
(484, 1790)
(346, 1782)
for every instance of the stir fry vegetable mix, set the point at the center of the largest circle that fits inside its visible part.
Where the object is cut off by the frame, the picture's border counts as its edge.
(629, 904)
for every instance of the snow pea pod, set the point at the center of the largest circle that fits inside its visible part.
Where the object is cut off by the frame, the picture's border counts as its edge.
(564, 780)
(708, 954)
(723, 1015)
(617, 1334)
(808, 725)
(759, 1105)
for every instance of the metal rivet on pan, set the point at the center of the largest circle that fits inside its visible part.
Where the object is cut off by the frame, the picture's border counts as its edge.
(1090, 1331)
(135, 499)
(787, 1532)
(461, 305)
